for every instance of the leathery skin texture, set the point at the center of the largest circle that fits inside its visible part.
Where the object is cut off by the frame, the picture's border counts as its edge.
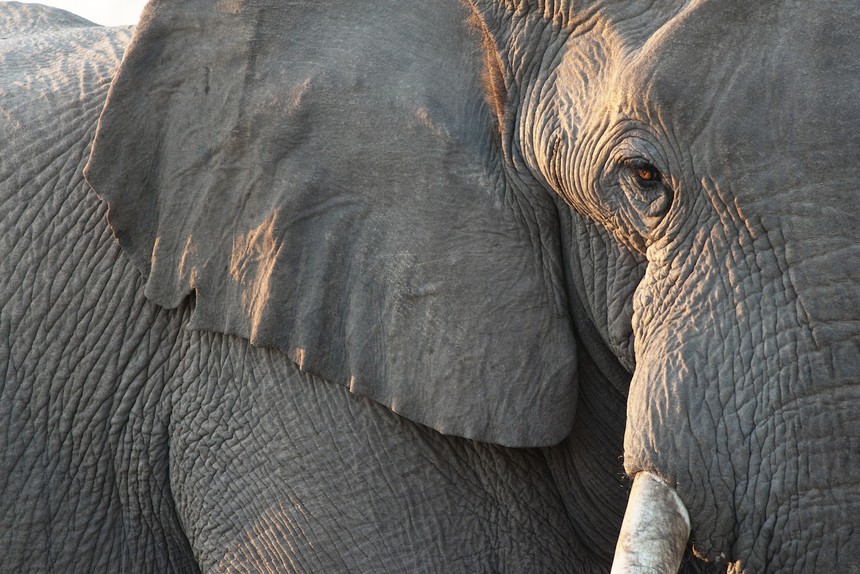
(136, 444)
(324, 263)
(190, 451)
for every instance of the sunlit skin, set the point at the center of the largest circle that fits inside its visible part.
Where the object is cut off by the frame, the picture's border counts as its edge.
(394, 286)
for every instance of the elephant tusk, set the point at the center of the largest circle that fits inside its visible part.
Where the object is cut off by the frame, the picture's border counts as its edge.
(655, 529)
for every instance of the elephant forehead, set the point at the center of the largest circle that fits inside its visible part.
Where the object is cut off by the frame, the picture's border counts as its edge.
(763, 102)
(754, 85)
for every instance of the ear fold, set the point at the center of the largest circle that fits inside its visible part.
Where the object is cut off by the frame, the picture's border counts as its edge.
(322, 179)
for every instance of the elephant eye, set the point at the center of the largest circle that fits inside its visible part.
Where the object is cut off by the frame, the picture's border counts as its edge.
(646, 193)
(644, 172)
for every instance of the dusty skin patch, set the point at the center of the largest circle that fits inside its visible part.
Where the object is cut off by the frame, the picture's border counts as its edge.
(251, 265)
(228, 6)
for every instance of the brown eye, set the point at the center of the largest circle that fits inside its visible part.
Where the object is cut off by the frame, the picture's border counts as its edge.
(644, 172)
(647, 173)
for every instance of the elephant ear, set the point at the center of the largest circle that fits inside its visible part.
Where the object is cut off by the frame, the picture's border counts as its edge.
(323, 176)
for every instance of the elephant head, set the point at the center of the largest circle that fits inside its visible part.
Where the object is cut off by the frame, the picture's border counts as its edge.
(431, 205)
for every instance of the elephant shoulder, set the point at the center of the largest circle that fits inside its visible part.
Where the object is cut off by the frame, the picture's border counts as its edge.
(17, 19)
(50, 78)
(52, 89)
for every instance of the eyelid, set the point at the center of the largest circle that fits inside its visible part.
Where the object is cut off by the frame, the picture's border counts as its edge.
(635, 163)
(637, 150)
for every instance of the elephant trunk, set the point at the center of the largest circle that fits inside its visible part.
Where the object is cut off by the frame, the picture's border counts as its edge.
(655, 529)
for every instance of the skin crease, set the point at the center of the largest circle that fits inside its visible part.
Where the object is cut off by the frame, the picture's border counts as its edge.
(705, 247)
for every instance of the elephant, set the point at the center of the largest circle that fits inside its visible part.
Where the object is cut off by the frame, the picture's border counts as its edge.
(461, 286)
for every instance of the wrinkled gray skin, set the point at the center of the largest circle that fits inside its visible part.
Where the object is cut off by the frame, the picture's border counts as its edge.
(485, 248)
